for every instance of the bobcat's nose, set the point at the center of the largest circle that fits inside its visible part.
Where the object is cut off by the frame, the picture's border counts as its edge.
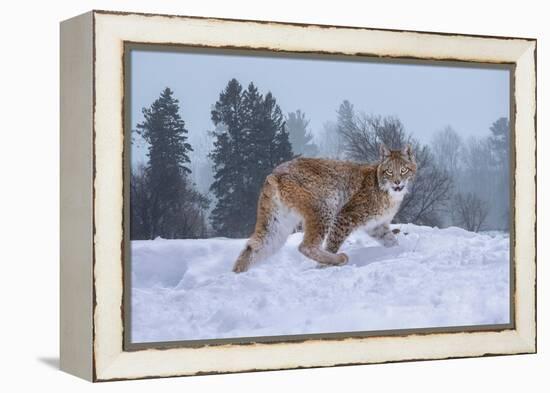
(398, 186)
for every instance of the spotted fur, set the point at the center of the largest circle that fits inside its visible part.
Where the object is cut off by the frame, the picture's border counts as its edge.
(330, 199)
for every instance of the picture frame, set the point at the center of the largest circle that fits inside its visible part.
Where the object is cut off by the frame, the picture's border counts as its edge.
(94, 177)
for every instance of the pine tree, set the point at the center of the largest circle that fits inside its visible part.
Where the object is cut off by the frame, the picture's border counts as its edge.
(228, 159)
(500, 146)
(346, 119)
(269, 142)
(165, 194)
(345, 125)
(500, 140)
(266, 125)
(250, 141)
(256, 160)
(300, 138)
(280, 146)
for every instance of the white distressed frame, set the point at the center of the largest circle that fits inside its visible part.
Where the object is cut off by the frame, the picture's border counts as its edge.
(111, 30)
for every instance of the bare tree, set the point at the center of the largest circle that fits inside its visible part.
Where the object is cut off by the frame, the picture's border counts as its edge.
(187, 219)
(362, 135)
(184, 218)
(478, 157)
(429, 193)
(486, 175)
(470, 211)
(330, 141)
(447, 149)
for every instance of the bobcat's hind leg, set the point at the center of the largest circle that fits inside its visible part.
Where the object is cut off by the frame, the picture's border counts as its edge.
(314, 233)
(247, 256)
(384, 235)
(274, 223)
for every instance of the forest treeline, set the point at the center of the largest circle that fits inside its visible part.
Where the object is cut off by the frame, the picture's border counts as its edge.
(210, 188)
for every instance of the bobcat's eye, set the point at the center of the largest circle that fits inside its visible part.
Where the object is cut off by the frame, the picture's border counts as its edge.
(404, 170)
(389, 172)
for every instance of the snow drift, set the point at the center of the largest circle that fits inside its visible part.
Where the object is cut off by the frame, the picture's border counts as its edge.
(185, 290)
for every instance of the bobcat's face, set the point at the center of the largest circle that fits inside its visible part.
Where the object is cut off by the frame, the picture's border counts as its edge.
(396, 170)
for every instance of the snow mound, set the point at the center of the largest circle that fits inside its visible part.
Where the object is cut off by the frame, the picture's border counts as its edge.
(185, 290)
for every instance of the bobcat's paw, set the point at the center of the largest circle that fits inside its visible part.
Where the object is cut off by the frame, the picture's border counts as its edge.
(240, 267)
(389, 240)
(338, 260)
(341, 259)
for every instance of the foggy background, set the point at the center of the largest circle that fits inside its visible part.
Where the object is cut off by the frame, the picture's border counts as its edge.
(426, 98)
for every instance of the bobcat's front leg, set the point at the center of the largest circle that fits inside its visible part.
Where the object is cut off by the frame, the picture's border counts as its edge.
(344, 224)
(315, 229)
(383, 234)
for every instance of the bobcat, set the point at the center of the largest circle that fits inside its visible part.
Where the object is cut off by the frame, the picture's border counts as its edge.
(330, 198)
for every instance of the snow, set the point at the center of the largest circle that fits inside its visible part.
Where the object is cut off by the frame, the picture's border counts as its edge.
(185, 290)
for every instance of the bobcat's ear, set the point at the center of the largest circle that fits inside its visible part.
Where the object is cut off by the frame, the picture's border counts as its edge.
(407, 151)
(384, 152)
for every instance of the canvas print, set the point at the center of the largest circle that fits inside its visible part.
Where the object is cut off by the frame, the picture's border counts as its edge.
(276, 195)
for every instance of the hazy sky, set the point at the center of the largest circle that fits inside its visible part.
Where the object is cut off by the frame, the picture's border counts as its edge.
(426, 98)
